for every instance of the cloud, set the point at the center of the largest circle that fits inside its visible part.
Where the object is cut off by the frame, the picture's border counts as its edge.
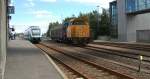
(90, 1)
(41, 13)
(30, 3)
(48, 0)
(102, 3)
(22, 26)
(42, 19)
(45, 15)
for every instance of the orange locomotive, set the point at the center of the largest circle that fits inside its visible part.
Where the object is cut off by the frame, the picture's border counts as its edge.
(75, 31)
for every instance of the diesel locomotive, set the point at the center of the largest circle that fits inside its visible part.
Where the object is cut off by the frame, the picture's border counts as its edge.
(33, 34)
(75, 31)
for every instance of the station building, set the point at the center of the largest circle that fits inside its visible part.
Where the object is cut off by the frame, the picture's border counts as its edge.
(130, 20)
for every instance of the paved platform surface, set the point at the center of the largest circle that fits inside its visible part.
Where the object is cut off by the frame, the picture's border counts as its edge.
(25, 61)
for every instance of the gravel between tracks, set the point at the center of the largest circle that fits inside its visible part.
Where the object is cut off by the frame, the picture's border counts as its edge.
(116, 58)
(66, 71)
(87, 70)
(106, 63)
(126, 45)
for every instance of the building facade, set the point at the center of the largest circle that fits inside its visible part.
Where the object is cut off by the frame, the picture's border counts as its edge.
(114, 19)
(3, 35)
(131, 20)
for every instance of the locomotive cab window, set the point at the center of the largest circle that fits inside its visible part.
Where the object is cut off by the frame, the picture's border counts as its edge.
(36, 31)
(78, 23)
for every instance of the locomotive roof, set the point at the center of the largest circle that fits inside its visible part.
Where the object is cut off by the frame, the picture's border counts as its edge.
(76, 20)
(84, 18)
(34, 27)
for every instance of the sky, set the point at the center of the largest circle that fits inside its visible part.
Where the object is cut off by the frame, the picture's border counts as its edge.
(42, 12)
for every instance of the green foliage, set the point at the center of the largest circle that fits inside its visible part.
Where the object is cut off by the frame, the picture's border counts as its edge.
(93, 24)
(104, 23)
(69, 18)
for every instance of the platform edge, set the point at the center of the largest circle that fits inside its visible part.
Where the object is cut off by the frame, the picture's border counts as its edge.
(57, 68)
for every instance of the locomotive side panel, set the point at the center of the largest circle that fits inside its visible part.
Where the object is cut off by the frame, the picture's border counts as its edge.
(78, 32)
(58, 33)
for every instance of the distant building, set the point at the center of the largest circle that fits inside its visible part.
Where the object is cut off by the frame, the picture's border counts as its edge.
(130, 20)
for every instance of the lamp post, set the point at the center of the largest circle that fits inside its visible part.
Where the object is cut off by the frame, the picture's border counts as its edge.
(97, 29)
(98, 19)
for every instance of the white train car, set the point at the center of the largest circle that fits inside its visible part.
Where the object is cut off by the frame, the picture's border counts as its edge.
(33, 34)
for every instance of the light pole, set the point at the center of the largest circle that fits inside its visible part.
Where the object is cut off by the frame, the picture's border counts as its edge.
(97, 29)
(98, 19)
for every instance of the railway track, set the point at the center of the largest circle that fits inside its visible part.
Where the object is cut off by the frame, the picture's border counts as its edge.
(127, 54)
(71, 72)
(80, 65)
(127, 60)
(125, 45)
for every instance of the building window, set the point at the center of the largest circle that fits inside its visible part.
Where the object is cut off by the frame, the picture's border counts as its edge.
(114, 19)
(137, 5)
(131, 5)
(142, 4)
(148, 3)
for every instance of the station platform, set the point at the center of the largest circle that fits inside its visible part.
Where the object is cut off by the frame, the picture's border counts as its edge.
(25, 61)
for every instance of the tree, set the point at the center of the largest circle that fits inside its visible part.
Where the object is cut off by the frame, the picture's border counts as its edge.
(93, 24)
(104, 23)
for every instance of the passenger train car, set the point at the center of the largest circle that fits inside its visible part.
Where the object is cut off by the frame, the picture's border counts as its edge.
(75, 31)
(33, 34)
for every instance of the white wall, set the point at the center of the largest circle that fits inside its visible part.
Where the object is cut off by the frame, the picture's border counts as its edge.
(2, 37)
(128, 24)
(122, 29)
(138, 22)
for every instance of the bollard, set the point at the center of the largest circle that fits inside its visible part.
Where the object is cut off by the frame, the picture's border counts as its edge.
(140, 60)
